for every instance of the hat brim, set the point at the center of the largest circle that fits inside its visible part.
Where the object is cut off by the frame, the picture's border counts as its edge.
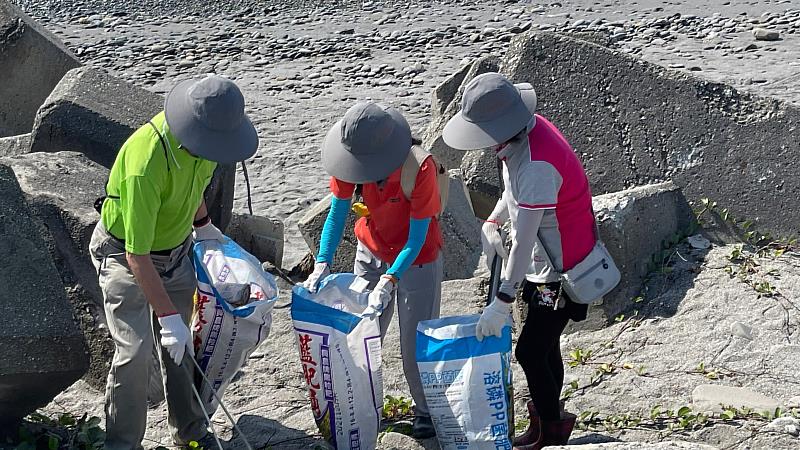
(222, 147)
(342, 164)
(462, 134)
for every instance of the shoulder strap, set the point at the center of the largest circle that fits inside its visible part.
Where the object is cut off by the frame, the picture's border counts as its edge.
(408, 174)
(161, 138)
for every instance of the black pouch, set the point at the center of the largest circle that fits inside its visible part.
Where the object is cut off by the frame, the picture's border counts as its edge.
(98, 204)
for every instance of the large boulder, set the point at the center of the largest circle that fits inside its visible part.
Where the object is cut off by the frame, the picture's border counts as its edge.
(446, 102)
(636, 225)
(15, 145)
(260, 236)
(42, 351)
(60, 189)
(634, 123)
(94, 113)
(32, 61)
(460, 231)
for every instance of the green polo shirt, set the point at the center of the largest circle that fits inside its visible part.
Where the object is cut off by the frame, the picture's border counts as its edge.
(154, 195)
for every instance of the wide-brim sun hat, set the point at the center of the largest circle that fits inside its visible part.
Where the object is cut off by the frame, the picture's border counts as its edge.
(528, 95)
(492, 112)
(207, 117)
(369, 143)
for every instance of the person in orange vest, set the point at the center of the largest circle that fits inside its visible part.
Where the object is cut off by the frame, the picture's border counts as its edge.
(399, 241)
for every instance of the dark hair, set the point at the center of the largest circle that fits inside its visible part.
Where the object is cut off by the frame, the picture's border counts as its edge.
(416, 141)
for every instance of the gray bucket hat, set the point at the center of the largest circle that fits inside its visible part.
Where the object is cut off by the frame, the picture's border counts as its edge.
(492, 112)
(369, 143)
(207, 116)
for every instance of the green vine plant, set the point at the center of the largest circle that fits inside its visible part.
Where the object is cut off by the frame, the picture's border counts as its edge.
(62, 432)
(683, 418)
(395, 410)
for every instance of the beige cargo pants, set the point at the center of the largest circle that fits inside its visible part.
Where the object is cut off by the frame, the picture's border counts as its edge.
(418, 297)
(134, 329)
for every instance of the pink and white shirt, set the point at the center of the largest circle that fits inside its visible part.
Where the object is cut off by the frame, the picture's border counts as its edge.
(550, 177)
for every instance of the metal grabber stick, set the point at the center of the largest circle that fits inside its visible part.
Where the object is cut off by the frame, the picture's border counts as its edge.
(222, 405)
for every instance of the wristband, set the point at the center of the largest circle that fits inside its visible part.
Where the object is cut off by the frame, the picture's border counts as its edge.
(391, 278)
(493, 221)
(505, 298)
(167, 314)
(202, 221)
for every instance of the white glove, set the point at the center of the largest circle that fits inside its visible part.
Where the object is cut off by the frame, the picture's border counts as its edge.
(175, 337)
(321, 270)
(208, 232)
(492, 242)
(379, 298)
(493, 319)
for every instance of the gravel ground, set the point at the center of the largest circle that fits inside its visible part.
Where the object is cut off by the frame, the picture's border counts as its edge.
(302, 64)
(300, 68)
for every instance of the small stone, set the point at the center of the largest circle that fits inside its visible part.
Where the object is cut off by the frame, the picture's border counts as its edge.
(741, 330)
(698, 241)
(751, 47)
(326, 79)
(788, 425)
(763, 34)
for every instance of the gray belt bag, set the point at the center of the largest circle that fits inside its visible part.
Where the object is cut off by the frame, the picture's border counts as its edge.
(592, 278)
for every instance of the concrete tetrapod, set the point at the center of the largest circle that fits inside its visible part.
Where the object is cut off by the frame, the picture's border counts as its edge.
(32, 61)
(42, 351)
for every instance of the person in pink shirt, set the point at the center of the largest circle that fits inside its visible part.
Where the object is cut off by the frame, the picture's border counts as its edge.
(549, 202)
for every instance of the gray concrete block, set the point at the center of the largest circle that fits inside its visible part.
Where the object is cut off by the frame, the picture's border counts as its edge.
(32, 61)
(42, 351)
(635, 225)
(260, 236)
(634, 123)
(94, 113)
(60, 189)
(311, 229)
(15, 145)
(460, 231)
(446, 102)
(219, 195)
(482, 178)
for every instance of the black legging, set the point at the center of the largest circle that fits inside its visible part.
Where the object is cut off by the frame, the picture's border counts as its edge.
(539, 349)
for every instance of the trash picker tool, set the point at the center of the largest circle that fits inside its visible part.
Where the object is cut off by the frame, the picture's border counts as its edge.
(222, 405)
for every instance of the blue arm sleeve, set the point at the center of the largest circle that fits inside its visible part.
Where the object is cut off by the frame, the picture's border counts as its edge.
(333, 229)
(417, 232)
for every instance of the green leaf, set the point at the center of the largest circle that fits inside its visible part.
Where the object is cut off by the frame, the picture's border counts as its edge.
(52, 443)
(93, 422)
(684, 411)
(655, 412)
(728, 414)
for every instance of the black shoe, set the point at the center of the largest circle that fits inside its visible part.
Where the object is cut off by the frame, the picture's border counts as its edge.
(422, 428)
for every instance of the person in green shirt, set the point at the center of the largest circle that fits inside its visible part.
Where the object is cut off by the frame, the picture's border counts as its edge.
(153, 210)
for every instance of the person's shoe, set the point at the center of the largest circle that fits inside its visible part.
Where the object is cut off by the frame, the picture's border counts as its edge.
(422, 428)
(533, 435)
(557, 432)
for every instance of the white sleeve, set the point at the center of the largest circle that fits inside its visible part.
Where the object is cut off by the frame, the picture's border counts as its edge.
(500, 211)
(539, 183)
(519, 260)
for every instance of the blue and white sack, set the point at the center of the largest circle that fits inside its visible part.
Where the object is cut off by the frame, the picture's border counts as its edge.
(467, 383)
(233, 312)
(340, 353)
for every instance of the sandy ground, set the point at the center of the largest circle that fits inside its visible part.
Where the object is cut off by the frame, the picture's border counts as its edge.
(293, 108)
